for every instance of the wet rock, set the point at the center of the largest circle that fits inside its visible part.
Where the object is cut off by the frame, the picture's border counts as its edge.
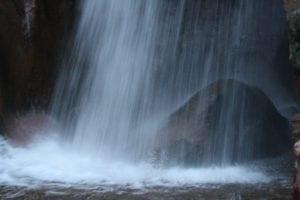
(226, 122)
(24, 129)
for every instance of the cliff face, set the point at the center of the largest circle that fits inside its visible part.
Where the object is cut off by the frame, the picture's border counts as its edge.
(32, 32)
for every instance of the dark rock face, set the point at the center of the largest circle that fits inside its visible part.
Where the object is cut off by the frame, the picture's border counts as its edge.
(32, 32)
(226, 122)
(294, 30)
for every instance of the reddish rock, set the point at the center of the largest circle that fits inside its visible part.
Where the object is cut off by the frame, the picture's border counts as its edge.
(22, 130)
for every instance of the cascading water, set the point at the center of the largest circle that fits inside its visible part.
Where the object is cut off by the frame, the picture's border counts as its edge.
(150, 83)
(135, 62)
(111, 71)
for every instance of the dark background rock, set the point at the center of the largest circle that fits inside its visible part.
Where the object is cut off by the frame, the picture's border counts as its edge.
(28, 60)
(29, 51)
(294, 35)
(195, 133)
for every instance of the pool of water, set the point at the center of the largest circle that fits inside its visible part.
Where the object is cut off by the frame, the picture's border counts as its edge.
(272, 190)
(49, 170)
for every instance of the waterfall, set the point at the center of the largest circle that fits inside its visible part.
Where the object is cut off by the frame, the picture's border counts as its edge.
(110, 76)
(135, 62)
(160, 99)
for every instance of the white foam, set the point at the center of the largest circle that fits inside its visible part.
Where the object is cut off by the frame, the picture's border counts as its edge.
(49, 161)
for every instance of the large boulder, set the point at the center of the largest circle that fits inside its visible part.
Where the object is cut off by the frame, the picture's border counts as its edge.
(226, 122)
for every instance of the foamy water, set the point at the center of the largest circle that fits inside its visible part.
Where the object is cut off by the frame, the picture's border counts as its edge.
(50, 162)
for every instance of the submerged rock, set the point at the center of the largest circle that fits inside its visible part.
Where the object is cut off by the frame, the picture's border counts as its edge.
(226, 122)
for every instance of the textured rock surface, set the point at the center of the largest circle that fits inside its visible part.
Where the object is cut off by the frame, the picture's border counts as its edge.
(191, 133)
